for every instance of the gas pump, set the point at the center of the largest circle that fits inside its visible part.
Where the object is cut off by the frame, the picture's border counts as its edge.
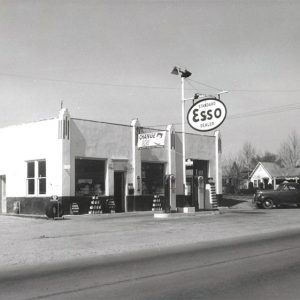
(170, 190)
(201, 192)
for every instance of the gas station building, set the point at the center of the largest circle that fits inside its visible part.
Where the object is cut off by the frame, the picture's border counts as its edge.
(76, 159)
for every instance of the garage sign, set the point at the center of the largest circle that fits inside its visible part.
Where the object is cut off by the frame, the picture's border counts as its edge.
(151, 139)
(207, 114)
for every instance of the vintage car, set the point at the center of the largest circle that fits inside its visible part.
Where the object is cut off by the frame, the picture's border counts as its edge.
(285, 194)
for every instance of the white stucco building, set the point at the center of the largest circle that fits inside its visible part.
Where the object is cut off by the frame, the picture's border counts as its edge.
(76, 159)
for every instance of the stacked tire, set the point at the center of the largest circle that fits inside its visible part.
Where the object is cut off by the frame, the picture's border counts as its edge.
(54, 210)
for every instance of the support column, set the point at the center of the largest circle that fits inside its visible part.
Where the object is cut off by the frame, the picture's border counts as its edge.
(218, 162)
(64, 135)
(171, 167)
(135, 174)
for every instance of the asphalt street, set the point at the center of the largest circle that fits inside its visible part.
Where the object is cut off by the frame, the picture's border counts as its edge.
(135, 256)
(262, 267)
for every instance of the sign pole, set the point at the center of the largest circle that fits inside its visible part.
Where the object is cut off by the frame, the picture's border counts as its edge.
(183, 137)
(183, 74)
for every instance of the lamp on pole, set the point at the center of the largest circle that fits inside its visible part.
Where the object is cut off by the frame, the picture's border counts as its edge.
(184, 74)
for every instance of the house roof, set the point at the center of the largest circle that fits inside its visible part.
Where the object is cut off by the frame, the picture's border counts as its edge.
(292, 172)
(273, 169)
(276, 171)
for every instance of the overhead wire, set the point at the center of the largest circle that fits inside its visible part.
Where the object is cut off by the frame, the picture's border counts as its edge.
(206, 85)
(189, 80)
(87, 82)
(266, 111)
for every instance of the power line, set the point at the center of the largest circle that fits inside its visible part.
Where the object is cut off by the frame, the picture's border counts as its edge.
(206, 85)
(266, 111)
(254, 114)
(87, 82)
(144, 86)
(265, 91)
(245, 90)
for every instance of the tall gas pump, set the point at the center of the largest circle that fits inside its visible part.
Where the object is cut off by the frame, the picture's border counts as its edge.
(170, 192)
(201, 192)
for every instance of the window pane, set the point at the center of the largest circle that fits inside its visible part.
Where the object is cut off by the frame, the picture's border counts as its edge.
(42, 186)
(30, 169)
(42, 168)
(30, 187)
(152, 178)
(89, 177)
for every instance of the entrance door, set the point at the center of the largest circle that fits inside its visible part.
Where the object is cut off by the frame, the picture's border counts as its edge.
(196, 178)
(3, 194)
(119, 191)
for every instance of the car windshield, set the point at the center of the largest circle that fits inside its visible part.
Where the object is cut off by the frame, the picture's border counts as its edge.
(281, 187)
(285, 187)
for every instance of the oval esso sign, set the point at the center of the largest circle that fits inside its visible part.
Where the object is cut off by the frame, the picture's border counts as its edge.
(207, 114)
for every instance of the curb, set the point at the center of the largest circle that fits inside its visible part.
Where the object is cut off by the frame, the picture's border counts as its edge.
(25, 216)
(158, 215)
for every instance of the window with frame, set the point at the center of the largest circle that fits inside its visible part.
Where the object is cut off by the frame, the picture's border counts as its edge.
(89, 176)
(152, 178)
(36, 177)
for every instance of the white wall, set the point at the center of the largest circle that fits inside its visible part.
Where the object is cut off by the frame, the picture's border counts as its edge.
(260, 173)
(100, 141)
(32, 141)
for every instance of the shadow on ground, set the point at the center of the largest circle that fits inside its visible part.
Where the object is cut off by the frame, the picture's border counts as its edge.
(228, 202)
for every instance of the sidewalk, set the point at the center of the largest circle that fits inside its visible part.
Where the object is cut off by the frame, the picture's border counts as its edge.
(34, 241)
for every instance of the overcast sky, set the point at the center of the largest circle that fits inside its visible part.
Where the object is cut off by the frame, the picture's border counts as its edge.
(111, 61)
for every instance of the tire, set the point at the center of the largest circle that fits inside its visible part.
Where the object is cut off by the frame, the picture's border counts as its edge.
(268, 203)
(54, 210)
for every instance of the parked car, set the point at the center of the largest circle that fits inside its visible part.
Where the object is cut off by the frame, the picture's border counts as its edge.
(285, 194)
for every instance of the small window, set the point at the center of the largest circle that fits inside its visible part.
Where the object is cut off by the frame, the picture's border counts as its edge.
(30, 178)
(30, 186)
(30, 169)
(42, 168)
(42, 186)
(36, 177)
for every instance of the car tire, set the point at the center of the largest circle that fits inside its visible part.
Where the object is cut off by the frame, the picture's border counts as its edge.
(268, 203)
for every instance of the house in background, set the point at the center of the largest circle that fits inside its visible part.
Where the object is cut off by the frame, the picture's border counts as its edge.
(269, 175)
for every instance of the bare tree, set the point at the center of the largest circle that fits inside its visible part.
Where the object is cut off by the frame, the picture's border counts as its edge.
(266, 157)
(232, 168)
(289, 151)
(247, 156)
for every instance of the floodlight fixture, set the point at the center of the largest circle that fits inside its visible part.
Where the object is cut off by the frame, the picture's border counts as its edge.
(184, 73)
(222, 92)
(197, 96)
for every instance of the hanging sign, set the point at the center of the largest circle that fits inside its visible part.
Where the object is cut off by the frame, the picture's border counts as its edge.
(151, 139)
(207, 114)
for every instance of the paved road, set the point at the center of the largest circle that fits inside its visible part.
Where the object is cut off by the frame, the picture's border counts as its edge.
(257, 267)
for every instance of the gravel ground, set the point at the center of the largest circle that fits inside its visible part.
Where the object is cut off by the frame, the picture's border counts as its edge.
(34, 241)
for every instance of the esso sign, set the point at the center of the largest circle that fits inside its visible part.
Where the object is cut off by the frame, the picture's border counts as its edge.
(207, 114)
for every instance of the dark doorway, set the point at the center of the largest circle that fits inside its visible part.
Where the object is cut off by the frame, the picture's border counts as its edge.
(119, 191)
(196, 177)
(3, 194)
